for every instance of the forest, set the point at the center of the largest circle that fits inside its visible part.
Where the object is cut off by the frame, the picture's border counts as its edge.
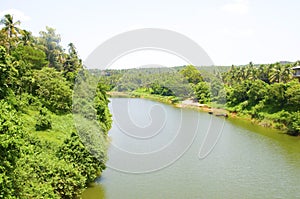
(266, 94)
(42, 153)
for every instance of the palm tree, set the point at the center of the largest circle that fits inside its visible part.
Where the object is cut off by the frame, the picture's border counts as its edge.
(286, 73)
(275, 73)
(72, 49)
(10, 25)
(10, 28)
(264, 73)
(280, 73)
(27, 38)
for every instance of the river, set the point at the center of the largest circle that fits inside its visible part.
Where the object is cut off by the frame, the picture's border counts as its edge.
(247, 161)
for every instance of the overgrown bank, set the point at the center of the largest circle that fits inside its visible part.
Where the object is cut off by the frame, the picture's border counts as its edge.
(42, 155)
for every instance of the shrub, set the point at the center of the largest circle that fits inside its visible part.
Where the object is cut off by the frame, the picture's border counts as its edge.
(43, 120)
(294, 123)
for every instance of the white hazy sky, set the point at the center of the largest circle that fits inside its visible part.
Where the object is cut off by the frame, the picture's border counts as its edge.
(230, 31)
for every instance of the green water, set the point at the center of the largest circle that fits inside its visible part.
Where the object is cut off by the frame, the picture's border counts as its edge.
(248, 161)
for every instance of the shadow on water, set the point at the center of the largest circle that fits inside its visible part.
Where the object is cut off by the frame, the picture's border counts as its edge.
(279, 137)
(287, 145)
(94, 191)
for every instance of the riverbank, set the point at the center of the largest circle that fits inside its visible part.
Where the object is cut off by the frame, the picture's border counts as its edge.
(211, 109)
(171, 100)
(174, 101)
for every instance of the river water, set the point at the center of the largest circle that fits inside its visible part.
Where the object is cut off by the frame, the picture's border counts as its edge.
(247, 161)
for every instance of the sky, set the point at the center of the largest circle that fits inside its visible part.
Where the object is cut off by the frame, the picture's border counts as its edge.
(230, 31)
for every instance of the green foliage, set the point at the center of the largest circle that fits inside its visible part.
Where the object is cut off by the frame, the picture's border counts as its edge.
(11, 142)
(43, 121)
(101, 105)
(72, 64)
(294, 123)
(8, 72)
(158, 89)
(218, 92)
(36, 72)
(10, 31)
(202, 92)
(74, 152)
(42, 174)
(192, 74)
(50, 42)
(266, 92)
(32, 57)
(258, 90)
(276, 96)
(53, 89)
(292, 94)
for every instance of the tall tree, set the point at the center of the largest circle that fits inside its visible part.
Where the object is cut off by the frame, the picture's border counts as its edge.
(8, 72)
(11, 29)
(26, 38)
(192, 74)
(50, 42)
(72, 63)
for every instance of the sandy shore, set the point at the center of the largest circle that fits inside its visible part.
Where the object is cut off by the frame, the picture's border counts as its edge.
(189, 103)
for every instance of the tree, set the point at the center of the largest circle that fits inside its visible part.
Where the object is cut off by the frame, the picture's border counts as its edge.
(202, 92)
(192, 74)
(72, 63)
(158, 89)
(8, 72)
(257, 92)
(26, 38)
(11, 141)
(10, 26)
(101, 105)
(75, 153)
(276, 97)
(53, 89)
(11, 29)
(32, 57)
(292, 94)
(294, 123)
(50, 42)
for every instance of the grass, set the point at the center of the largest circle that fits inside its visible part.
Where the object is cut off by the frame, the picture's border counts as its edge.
(62, 126)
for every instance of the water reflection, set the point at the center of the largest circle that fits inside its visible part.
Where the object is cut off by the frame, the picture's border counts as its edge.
(95, 191)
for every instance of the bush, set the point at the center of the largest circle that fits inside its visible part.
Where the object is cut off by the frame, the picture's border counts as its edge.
(202, 92)
(75, 153)
(294, 124)
(53, 90)
(43, 120)
(11, 142)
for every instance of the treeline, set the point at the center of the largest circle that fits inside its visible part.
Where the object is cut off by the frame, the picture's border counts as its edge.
(177, 83)
(267, 93)
(37, 77)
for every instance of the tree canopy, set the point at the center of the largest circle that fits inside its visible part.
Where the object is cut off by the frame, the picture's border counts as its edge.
(42, 155)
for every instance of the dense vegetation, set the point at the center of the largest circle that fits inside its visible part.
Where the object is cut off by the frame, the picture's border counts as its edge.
(42, 155)
(267, 94)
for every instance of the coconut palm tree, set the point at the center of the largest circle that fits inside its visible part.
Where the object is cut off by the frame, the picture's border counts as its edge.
(11, 29)
(275, 73)
(26, 38)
